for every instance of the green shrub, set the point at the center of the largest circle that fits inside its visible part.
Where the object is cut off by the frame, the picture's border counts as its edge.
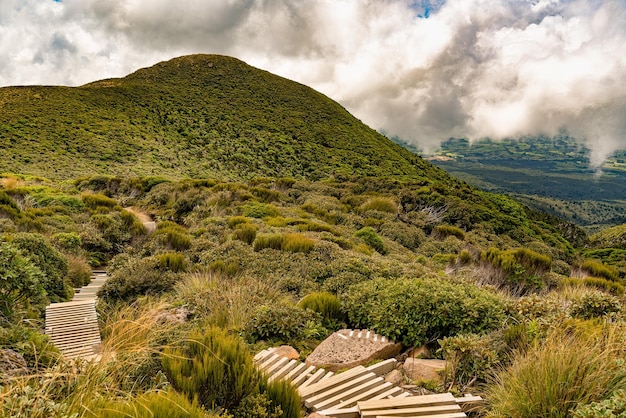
(371, 238)
(603, 284)
(465, 257)
(213, 367)
(613, 407)
(470, 358)
(137, 277)
(597, 269)
(566, 370)
(67, 241)
(296, 243)
(237, 220)
(594, 304)
(50, 261)
(93, 201)
(174, 262)
(257, 405)
(172, 236)
(245, 232)
(408, 236)
(259, 210)
(158, 404)
(21, 288)
(327, 305)
(273, 241)
(316, 227)
(520, 270)
(417, 311)
(31, 343)
(444, 231)
(266, 195)
(280, 321)
(381, 204)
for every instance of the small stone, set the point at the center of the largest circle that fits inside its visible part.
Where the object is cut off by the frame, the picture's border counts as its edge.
(424, 369)
(12, 363)
(287, 351)
(395, 377)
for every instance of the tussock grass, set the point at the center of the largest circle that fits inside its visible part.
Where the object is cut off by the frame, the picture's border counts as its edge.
(576, 365)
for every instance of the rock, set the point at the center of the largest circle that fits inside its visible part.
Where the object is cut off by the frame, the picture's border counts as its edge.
(424, 369)
(419, 352)
(286, 351)
(347, 348)
(12, 363)
(395, 376)
(175, 315)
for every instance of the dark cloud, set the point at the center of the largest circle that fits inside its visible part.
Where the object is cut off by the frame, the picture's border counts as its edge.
(424, 70)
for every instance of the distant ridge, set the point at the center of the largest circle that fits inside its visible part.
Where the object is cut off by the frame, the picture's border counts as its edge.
(193, 116)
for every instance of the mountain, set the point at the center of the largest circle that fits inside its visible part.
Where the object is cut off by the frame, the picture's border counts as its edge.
(193, 116)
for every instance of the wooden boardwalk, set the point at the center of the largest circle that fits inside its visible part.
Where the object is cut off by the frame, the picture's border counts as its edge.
(359, 392)
(73, 326)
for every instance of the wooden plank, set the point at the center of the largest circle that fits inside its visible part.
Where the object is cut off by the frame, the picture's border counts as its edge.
(268, 361)
(261, 355)
(426, 400)
(311, 401)
(297, 381)
(369, 394)
(383, 367)
(327, 375)
(297, 371)
(336, 380)
(412, 412)
(277, 365)
(340, 413)
(451, 415)
(356, 390)
(312, 380)
(279, 374)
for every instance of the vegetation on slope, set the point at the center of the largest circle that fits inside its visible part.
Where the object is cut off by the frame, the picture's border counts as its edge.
(194, 116)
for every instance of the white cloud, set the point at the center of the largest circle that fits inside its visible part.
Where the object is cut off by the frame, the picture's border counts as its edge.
(474, 68)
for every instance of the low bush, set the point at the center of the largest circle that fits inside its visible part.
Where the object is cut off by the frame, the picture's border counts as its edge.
(67, 241)
(78, 271)
(445, 231)
(613, 407)
(237, 220)
(381, 204)
(279, 322)
(371, 238)
(283, 395)
(598, 269)
(294, 243)
(416, 311)
(214, 367)
(273, 241)
(94, 201)
(259, 210)
(594, 304)
(245, 232)
(172, 236)
(174, 262)
(327, 305)
(31, 343)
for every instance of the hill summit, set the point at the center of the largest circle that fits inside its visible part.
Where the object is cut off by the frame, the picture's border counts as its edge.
(193, 116)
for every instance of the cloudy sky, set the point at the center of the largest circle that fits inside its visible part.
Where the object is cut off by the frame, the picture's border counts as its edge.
(424, 70)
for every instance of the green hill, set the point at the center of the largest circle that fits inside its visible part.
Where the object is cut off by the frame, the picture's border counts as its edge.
(194, 116)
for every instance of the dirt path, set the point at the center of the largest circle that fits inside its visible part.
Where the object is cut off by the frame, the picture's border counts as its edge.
(144, 218)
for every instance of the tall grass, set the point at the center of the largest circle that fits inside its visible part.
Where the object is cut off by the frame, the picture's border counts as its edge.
(579, 365)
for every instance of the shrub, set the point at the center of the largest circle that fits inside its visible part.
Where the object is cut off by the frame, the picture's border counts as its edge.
(280, 321)
(257, 405)
(594, 304)
(157, 404)
(465, 257)
(21, 286)
(598, 269)
(137, 278)
(237, 220)
(78, 271)
(327, 305)
(34, 346)
(245, 232)
(551, 379)
(613, 407)
(417, 311)
(67, 241)
(214, 367)
(282, 394)
(173, 237)
(296, 243)
(93, 201)
(51, 262)
(381, 204)
(520, 270)
(406, 235)
(273, 241)
(444, 231)
(174, 262)
(371, 238)
(259, 210)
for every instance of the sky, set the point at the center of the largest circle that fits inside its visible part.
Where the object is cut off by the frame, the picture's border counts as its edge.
(422, 70)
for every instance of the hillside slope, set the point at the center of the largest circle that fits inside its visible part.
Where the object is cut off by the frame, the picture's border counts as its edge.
(193, 116)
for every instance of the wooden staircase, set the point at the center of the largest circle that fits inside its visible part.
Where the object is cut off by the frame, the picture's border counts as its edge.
(359, 392)
(73, 326)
